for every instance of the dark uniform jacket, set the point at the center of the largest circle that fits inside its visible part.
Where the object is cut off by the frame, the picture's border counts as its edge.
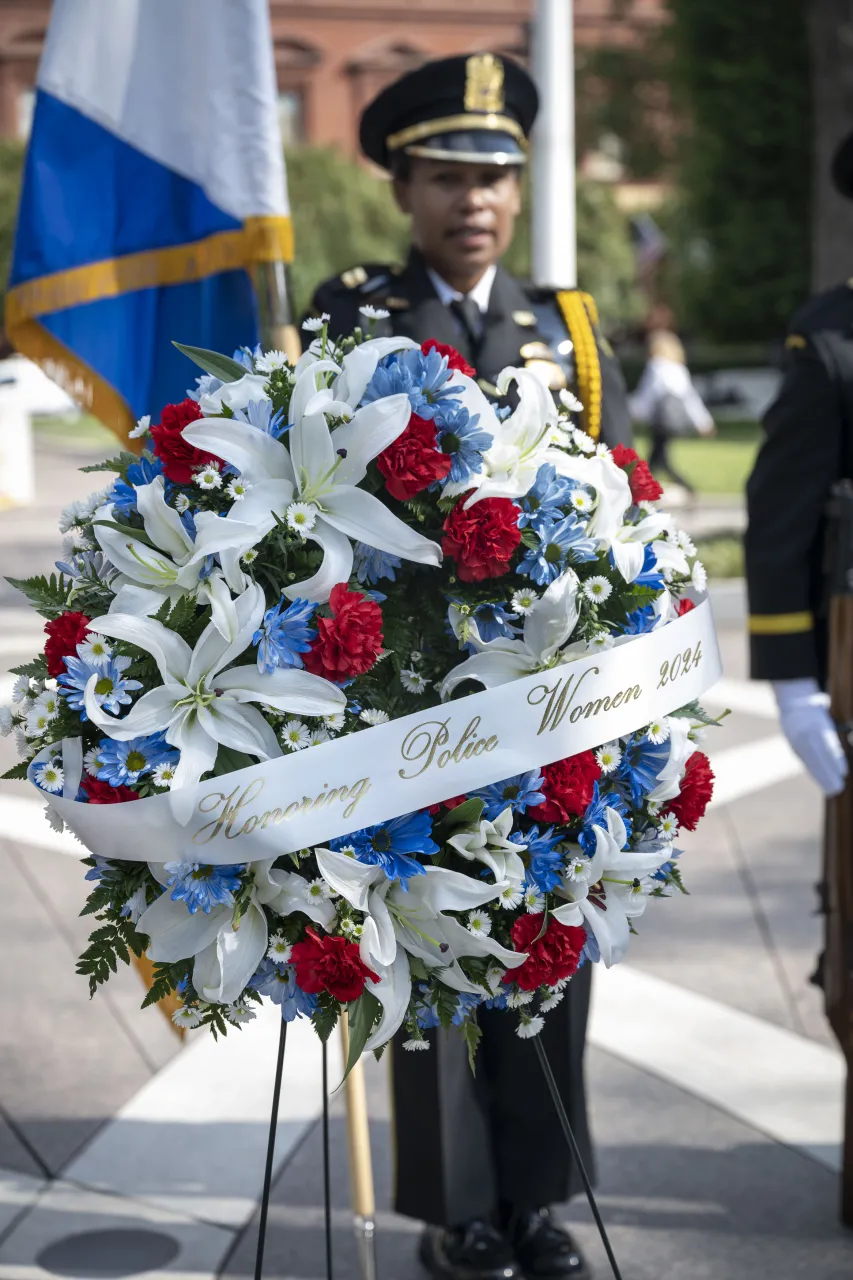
(807, 448)
(524, 325)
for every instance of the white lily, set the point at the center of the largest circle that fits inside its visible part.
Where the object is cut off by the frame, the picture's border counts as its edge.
(398, 921)
(612, 490)
(169, 569)
(490, 844)
(680, 751)
(200, 705)
(226, 956)
(547, 628)
(521, 441)
(604, 892)
(238, 394)
(321, 468)
(628, 545)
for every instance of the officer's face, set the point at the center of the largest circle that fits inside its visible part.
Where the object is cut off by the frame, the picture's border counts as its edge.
(463, 215)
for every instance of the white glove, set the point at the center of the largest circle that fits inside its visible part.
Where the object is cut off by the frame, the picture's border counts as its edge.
(810, 729)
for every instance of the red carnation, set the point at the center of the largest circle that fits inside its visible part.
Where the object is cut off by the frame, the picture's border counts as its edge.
(551, 958)
(697, 787)
(644, 487)
(349, 642)
(454, 359)
(413, 461)
(180, 459)
(100, 792)
(330, 964)
(684, 606)
(483, 539)
(64, 634)
(568, 786)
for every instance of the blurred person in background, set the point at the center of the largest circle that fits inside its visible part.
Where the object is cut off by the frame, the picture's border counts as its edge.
(481, 1158)
(666, 399)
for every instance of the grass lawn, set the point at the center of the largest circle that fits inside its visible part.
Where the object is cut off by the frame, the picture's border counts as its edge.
(720, 465)
(76, 433)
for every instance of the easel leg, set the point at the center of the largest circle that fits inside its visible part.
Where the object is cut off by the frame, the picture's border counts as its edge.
(361, 1168)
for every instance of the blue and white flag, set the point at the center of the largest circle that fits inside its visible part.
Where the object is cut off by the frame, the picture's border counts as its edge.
(154, 182)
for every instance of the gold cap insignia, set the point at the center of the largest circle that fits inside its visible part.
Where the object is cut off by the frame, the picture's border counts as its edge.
(795, 342)
(524, 318)
(396, 304)
(354, 277)
(484, 83)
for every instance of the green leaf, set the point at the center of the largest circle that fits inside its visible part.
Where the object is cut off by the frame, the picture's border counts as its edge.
(36, 670)
(139, 534)
(48, 596)
(228, 760)
(119, 464)
(17, 773)
(325, 1019)
(694, 711)
(212, 362)
(363, 1012)
(473, 1035)
(464, 815)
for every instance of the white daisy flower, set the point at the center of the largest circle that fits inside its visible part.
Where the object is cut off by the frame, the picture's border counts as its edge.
(22, 746)
(182, 503)
(295, 735)
(699, 576)
(529, 1026)
(518, 999)
(479, 924)
(317, 737)
(135, 904)
(667, 826)
(279, 948)
(685, 543)
(164, 775)
(534, 901)
(21, 689)
(599, 642)
(523, 601)
(568, 399)
(6, 721)
(26, 706)
(92, 761)
(301, 517)
(250, 556)
(609, 757)
(352, 928)
(317, 890)
(577, 867)
(50, 777)
(141, 428)
(582, 500)
(37, 723)
(658, 731)
(373, 313)
(314, 324)
(208, 478)
(239, 1012)
(269, 361)
(654, 808)
(335, 721)
(551, 1000)
(412, 681)
(510, 895)
(597, 589)
(371, 716)
(237, 488)
(415, 657)
(585, 443)
(56, 823)
(414, 1045)
(76, 541)
(187, 1016)
(601, 451)
(71, 515)
(94, 649)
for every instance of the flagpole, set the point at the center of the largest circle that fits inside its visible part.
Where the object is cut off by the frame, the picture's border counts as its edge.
(278, 331)
(360, 1162)
(553, 226)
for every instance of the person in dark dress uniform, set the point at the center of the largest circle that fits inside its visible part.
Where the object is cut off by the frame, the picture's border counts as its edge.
(480, 1158)
(808, 446)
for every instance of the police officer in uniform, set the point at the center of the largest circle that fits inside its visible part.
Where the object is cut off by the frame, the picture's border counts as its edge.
(453, 135)
(808, 446)
(481, 1158)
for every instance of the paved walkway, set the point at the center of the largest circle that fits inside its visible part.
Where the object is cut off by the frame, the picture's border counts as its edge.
(715, 1086)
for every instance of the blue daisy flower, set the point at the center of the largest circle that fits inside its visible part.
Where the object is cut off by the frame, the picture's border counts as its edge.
(390, 845)
(422, 378)
(112, 690)
(639, 621)
(123, 763)
(560, 543)
(519, 793)
(284, 635)
(371, 564)
(279, 983)
(545, 500)
(259, 413)
(123, 493)
(460, 438)
(545, 864)
(596, 812)
(642, 761)
(200, 885)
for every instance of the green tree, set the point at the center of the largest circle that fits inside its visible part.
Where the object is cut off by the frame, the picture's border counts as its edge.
(740, 75)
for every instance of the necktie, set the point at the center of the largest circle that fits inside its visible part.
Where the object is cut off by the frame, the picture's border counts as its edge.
(470, 317)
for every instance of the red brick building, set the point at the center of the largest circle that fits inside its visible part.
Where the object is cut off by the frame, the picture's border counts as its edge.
(333, 55)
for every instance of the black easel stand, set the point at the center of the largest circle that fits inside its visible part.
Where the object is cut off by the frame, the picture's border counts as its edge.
(576, 1155)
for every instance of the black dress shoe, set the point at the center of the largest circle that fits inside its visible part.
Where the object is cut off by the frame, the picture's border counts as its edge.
(475, 1251)
(544, 1250)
